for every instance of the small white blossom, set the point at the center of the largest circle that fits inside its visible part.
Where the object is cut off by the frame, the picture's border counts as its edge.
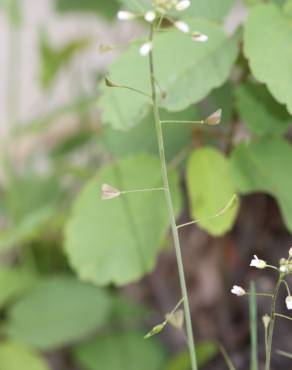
(150, 16)
(146, 48)
(259, 264)
(214, 118)
(290, 252)
(238, 290)
(124, 15)
(289, 302)
(200, 37)
(182, 26)
(182, 5)
(109, 192)
(283, 269)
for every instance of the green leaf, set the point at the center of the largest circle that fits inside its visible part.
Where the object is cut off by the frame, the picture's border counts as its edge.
(142, 138)
(288, 8)
(14, 356)
(267, 34)
(195, 69)
(261, 113)
(118, 351)
(263, 166)
(13, 283)
(105, 8)
(118, 240)
(26, 229)
(206, 351)
(210, 189)
(56, 312)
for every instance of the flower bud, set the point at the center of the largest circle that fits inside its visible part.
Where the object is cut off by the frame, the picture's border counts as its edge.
(155, 330)
(182, 26)
(182, 5)
(238, 290)
(150, 16)
(259, 264)
(146, 48)
(289, 302)
(124, 15)
(290, 252)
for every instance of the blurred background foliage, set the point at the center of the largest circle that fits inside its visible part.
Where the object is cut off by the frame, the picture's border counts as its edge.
(82, 281)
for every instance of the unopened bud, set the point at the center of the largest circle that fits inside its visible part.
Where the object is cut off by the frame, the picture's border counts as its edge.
(124, 15)
(155, 330)
(290, 252)
(182, 5)
(109, 83)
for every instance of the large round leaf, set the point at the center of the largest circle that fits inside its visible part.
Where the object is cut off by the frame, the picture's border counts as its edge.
(15, 357)
(118, 240)
(210, 189)
(118, 351)
(260, 112)
(58, 311)
(265, 166)
(267, 36)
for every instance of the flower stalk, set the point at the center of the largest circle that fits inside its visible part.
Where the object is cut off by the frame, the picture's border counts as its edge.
(159, 134)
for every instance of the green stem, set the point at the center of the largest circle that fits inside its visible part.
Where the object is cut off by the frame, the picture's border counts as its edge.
(170, 209)
(272, 325)
(283, 316)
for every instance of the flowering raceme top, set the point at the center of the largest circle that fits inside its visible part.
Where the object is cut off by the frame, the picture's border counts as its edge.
(160, 11)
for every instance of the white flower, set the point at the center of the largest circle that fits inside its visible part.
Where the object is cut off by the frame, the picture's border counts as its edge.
(150, 16)
(182, 5)
(289, 302)
(182, 26)
(259, 264)
(290, 252)
(146, 48)
(200, 37)
(124, 15)
(108, 192)
(283, 269)
(238, 290)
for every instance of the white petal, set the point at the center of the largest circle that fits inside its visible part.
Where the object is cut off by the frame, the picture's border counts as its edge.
(124, 15)
(182, 26)
(289, 302)
(146, 48)
(290, 252)
(238, 290)
(150, 16)
(182, 5)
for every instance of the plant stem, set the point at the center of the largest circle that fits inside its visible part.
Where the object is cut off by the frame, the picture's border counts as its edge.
(170, 209)
(272, 325)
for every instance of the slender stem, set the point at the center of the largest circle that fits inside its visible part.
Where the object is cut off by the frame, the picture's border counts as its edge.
(283, 316)
(262, 294)
(272, 324)
(169, 204)
(287, 287)
(135, 90)
(141, 190)
(177, 121)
